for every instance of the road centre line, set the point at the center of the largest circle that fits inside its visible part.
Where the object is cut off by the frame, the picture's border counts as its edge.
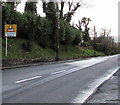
(58, 72)
(36, 77)
(28, 79)
(75, 70)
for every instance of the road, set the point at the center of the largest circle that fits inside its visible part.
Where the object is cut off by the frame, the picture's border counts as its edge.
(69, 82)
(108, 92)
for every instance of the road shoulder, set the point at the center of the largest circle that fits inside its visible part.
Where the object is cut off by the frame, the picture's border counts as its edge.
(107, 92)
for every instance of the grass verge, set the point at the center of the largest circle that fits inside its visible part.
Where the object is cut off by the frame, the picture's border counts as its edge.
(23, 50)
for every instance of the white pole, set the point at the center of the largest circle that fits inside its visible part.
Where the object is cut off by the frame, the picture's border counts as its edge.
(6, 45)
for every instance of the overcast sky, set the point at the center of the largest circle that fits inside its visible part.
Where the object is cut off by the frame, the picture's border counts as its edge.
(103, 13)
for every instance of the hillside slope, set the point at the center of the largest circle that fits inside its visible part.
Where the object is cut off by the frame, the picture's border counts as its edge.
(23, 50)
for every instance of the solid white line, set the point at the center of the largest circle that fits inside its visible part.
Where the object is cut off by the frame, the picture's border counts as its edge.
(28, 79)
(58, 72)
(82, 97)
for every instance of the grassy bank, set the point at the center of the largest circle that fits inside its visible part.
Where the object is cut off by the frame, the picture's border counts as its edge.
(22, 49)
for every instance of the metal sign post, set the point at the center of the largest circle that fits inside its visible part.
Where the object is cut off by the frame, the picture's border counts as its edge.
(6, 45)
(10, 31)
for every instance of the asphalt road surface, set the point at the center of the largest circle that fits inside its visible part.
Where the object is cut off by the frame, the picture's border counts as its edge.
(69, 82)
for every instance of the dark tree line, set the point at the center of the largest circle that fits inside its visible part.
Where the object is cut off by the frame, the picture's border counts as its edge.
(42, 30)
(105, 43)
(46, 30)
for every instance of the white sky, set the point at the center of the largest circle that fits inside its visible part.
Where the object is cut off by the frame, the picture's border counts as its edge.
(103, 13)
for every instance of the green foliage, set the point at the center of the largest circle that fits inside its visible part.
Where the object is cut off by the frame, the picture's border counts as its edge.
(29, 26)
(62, 31)
(31, 7)
(43, 32)
(17, 51)
(105, 45)
(36, 35)
(36, 28)
(50, 11)
(78, 37)
(26, 46)
(10, 16)
(99, 47)
(69, 35)
(74, 52)
(86, 37)
(11, 4)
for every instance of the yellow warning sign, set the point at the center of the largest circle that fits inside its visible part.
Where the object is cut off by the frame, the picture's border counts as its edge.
(10, 30)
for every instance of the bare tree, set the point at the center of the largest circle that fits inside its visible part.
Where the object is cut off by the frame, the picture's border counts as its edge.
(14, 3)
(79, 26)
(84, 22)
(61, 10)
(73, 6)
(104, 32)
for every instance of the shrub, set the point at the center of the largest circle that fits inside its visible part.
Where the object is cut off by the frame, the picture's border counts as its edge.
(32, 27)
(29, 25)
(78, 37)
(26, 46)
(10, 16)
(69, 35)
(62, 32)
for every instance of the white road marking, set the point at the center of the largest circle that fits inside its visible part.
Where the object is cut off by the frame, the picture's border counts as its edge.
(84, 95)
(27, 79)
(58, 72)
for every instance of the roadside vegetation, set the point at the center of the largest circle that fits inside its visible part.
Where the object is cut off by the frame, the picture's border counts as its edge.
(53, 35)
(22, 49)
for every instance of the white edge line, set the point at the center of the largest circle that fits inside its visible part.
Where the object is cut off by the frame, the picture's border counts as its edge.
(82, 98)
(58, 72)
(28, 79)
